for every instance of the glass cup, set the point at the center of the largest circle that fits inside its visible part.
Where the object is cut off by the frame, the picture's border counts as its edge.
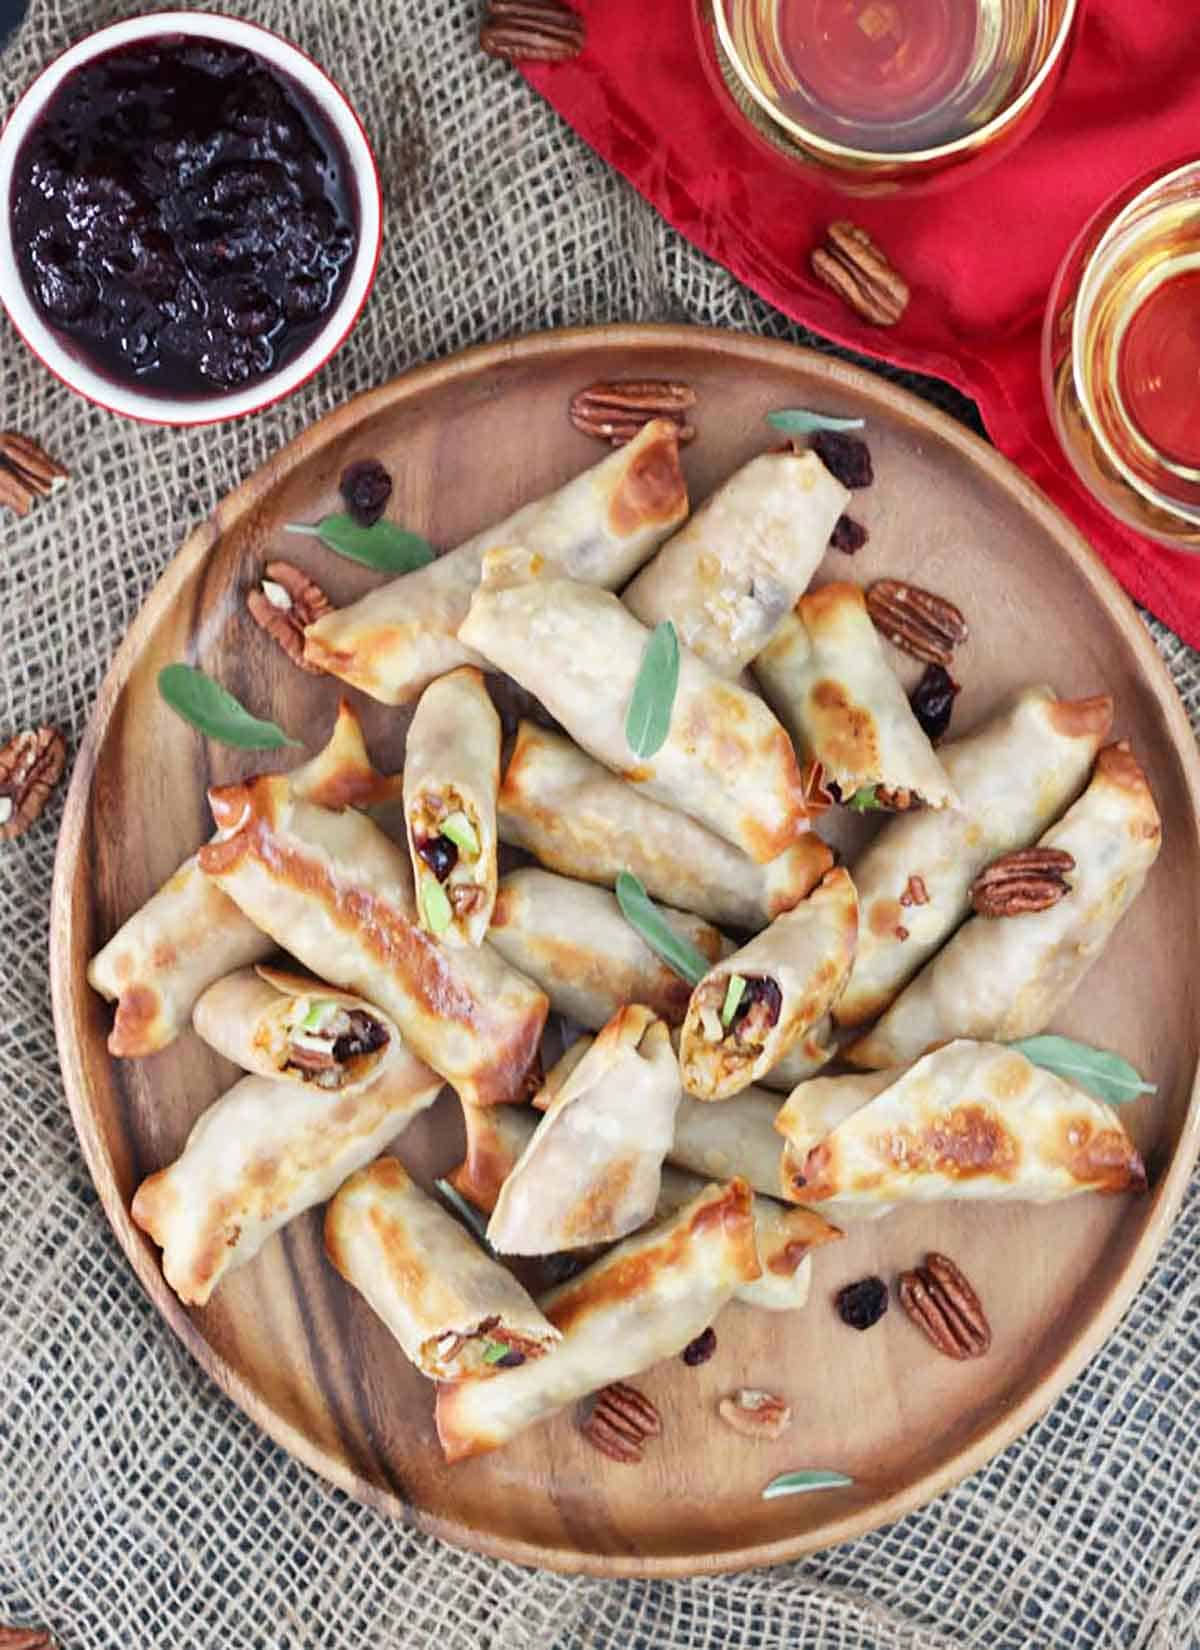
(1121, 356)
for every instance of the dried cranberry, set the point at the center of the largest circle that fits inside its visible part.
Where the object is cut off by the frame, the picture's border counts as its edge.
(512, 1359)
(366, 488)
(848, 535)
(701, 1349)
(760, 989)
(364, 1037)
(863, 1303)
(440, 854)
(932, 700)
(844, 456)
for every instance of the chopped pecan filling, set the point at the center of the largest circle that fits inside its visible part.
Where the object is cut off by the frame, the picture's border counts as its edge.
(327, 1037)
(490, 1345)
(737, 1034)
(447, 839)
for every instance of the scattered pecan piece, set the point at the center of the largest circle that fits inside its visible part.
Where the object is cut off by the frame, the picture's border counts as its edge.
(285, 602)
(818, 794)
(897, 799)
(755, 1413)
(848, 536)
(1029, 879)
(847, 457)
(861, 1305)
(852, 264)
(916, 621)
(616, 412)
(915, 892)
(701, 1349)
(26, 473)
(620, 1422)
(932, 700)
(31, 765)
(940, 1301)
(26, 1638)
(541, 31)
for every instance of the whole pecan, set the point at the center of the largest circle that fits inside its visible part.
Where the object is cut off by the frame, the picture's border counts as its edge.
(620, 1421)
(940, 1301)
(285, 602)
(852, 264)
(755, 1413)
(26, 1638)
(531, 30)
(31, 765)
(616, 412)
(916, 621)
(1029, 879)
(26, 472)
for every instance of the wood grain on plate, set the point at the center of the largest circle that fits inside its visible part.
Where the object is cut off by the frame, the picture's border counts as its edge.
(468, 440)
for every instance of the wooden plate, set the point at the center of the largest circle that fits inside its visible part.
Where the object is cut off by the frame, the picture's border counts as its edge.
(468, 440)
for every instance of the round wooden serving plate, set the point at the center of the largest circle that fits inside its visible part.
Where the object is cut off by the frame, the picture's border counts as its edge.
(468, 440)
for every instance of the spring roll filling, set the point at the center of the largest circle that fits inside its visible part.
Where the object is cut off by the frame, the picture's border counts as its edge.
(324, 1042)
(455, 1354)
(447, 836)
(737, 1015)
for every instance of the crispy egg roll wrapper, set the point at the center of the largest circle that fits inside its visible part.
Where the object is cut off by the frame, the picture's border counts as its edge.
(260, 1156)
(189, 933)
(446, 1301)
(580, 820)
(452, 767)
(572, 939)
(970, 1120)
(826, 677)
(1004, 978)
(804, 957)
(641, 1302)
(1014, 775)
(730, 575)
(598, 528)
(725, 761)
(332, 890)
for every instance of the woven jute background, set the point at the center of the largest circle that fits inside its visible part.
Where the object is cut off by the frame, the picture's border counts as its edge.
(138, 1509)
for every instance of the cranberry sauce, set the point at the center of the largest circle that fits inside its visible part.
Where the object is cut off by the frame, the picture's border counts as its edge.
(184, 216)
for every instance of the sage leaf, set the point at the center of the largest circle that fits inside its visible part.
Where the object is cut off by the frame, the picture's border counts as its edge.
(734, 992)
(864, 800)
(640, 911)
(1106, 1075)
(211, 708)
(467, 1212)
(649, 718)
(439, 913)
(800, 1483)
(383, 545)
(799, 421)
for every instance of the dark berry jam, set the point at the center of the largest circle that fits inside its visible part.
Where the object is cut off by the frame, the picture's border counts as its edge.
(184, 216)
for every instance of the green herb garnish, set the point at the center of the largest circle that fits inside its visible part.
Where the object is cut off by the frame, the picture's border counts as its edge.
(461, 832)
(493, 1351)
(438, 911)
(865, 801)
(383, 545)
(640, 911)
(211, 708)
(1106, 1075)
(800, 1483)
(649, 719)
(799, 421)
(734, 992)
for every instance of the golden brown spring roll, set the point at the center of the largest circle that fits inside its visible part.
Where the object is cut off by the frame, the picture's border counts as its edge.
(1005, 978)
(579, 819)
(335, 892)
(598, 528)
(451, 776)
(571, 938)
(726, 760)
(1014, 775)
(729, 576)
(642, 1302)
(826, 677)
(259, 1157)
(750, 1009)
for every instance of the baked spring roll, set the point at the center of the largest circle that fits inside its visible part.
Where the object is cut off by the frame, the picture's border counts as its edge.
(451, 776)
(1014, 775)
(579, 819)
(259, 1157)
(825, 675)
(333, 890)
(726, 761)
(1005, 977)
(750, 1009)
(729, 576)
(599, 528)
(454, 1310)
(642, 1302)
(970, 1120)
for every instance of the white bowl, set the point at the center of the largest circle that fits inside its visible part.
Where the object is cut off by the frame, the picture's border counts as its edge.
(164, 409)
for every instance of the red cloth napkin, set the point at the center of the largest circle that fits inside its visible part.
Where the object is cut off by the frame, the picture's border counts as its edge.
(980, 255)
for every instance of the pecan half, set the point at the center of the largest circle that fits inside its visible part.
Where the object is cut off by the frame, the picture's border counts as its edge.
(31, 765)
(940, 1301)
(541, 31)
(26, 473)
(1029, 879)
(852, 264)
(26, 1638)
(285, 602)
(916, 621)
(620, 1422)
(755, 1413)
(616, 412)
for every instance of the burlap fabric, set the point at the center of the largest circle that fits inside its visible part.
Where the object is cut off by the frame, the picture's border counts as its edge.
(138, 1509)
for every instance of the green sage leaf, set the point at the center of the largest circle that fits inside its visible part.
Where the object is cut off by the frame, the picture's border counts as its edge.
(734, 992)
(439, 913)
(799, 421)
(211, 708)
(461, 832)
(383, 545)
(1106, 1075)
(640, 911)
(864, 801)
(649, 718)
(800, 1483)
